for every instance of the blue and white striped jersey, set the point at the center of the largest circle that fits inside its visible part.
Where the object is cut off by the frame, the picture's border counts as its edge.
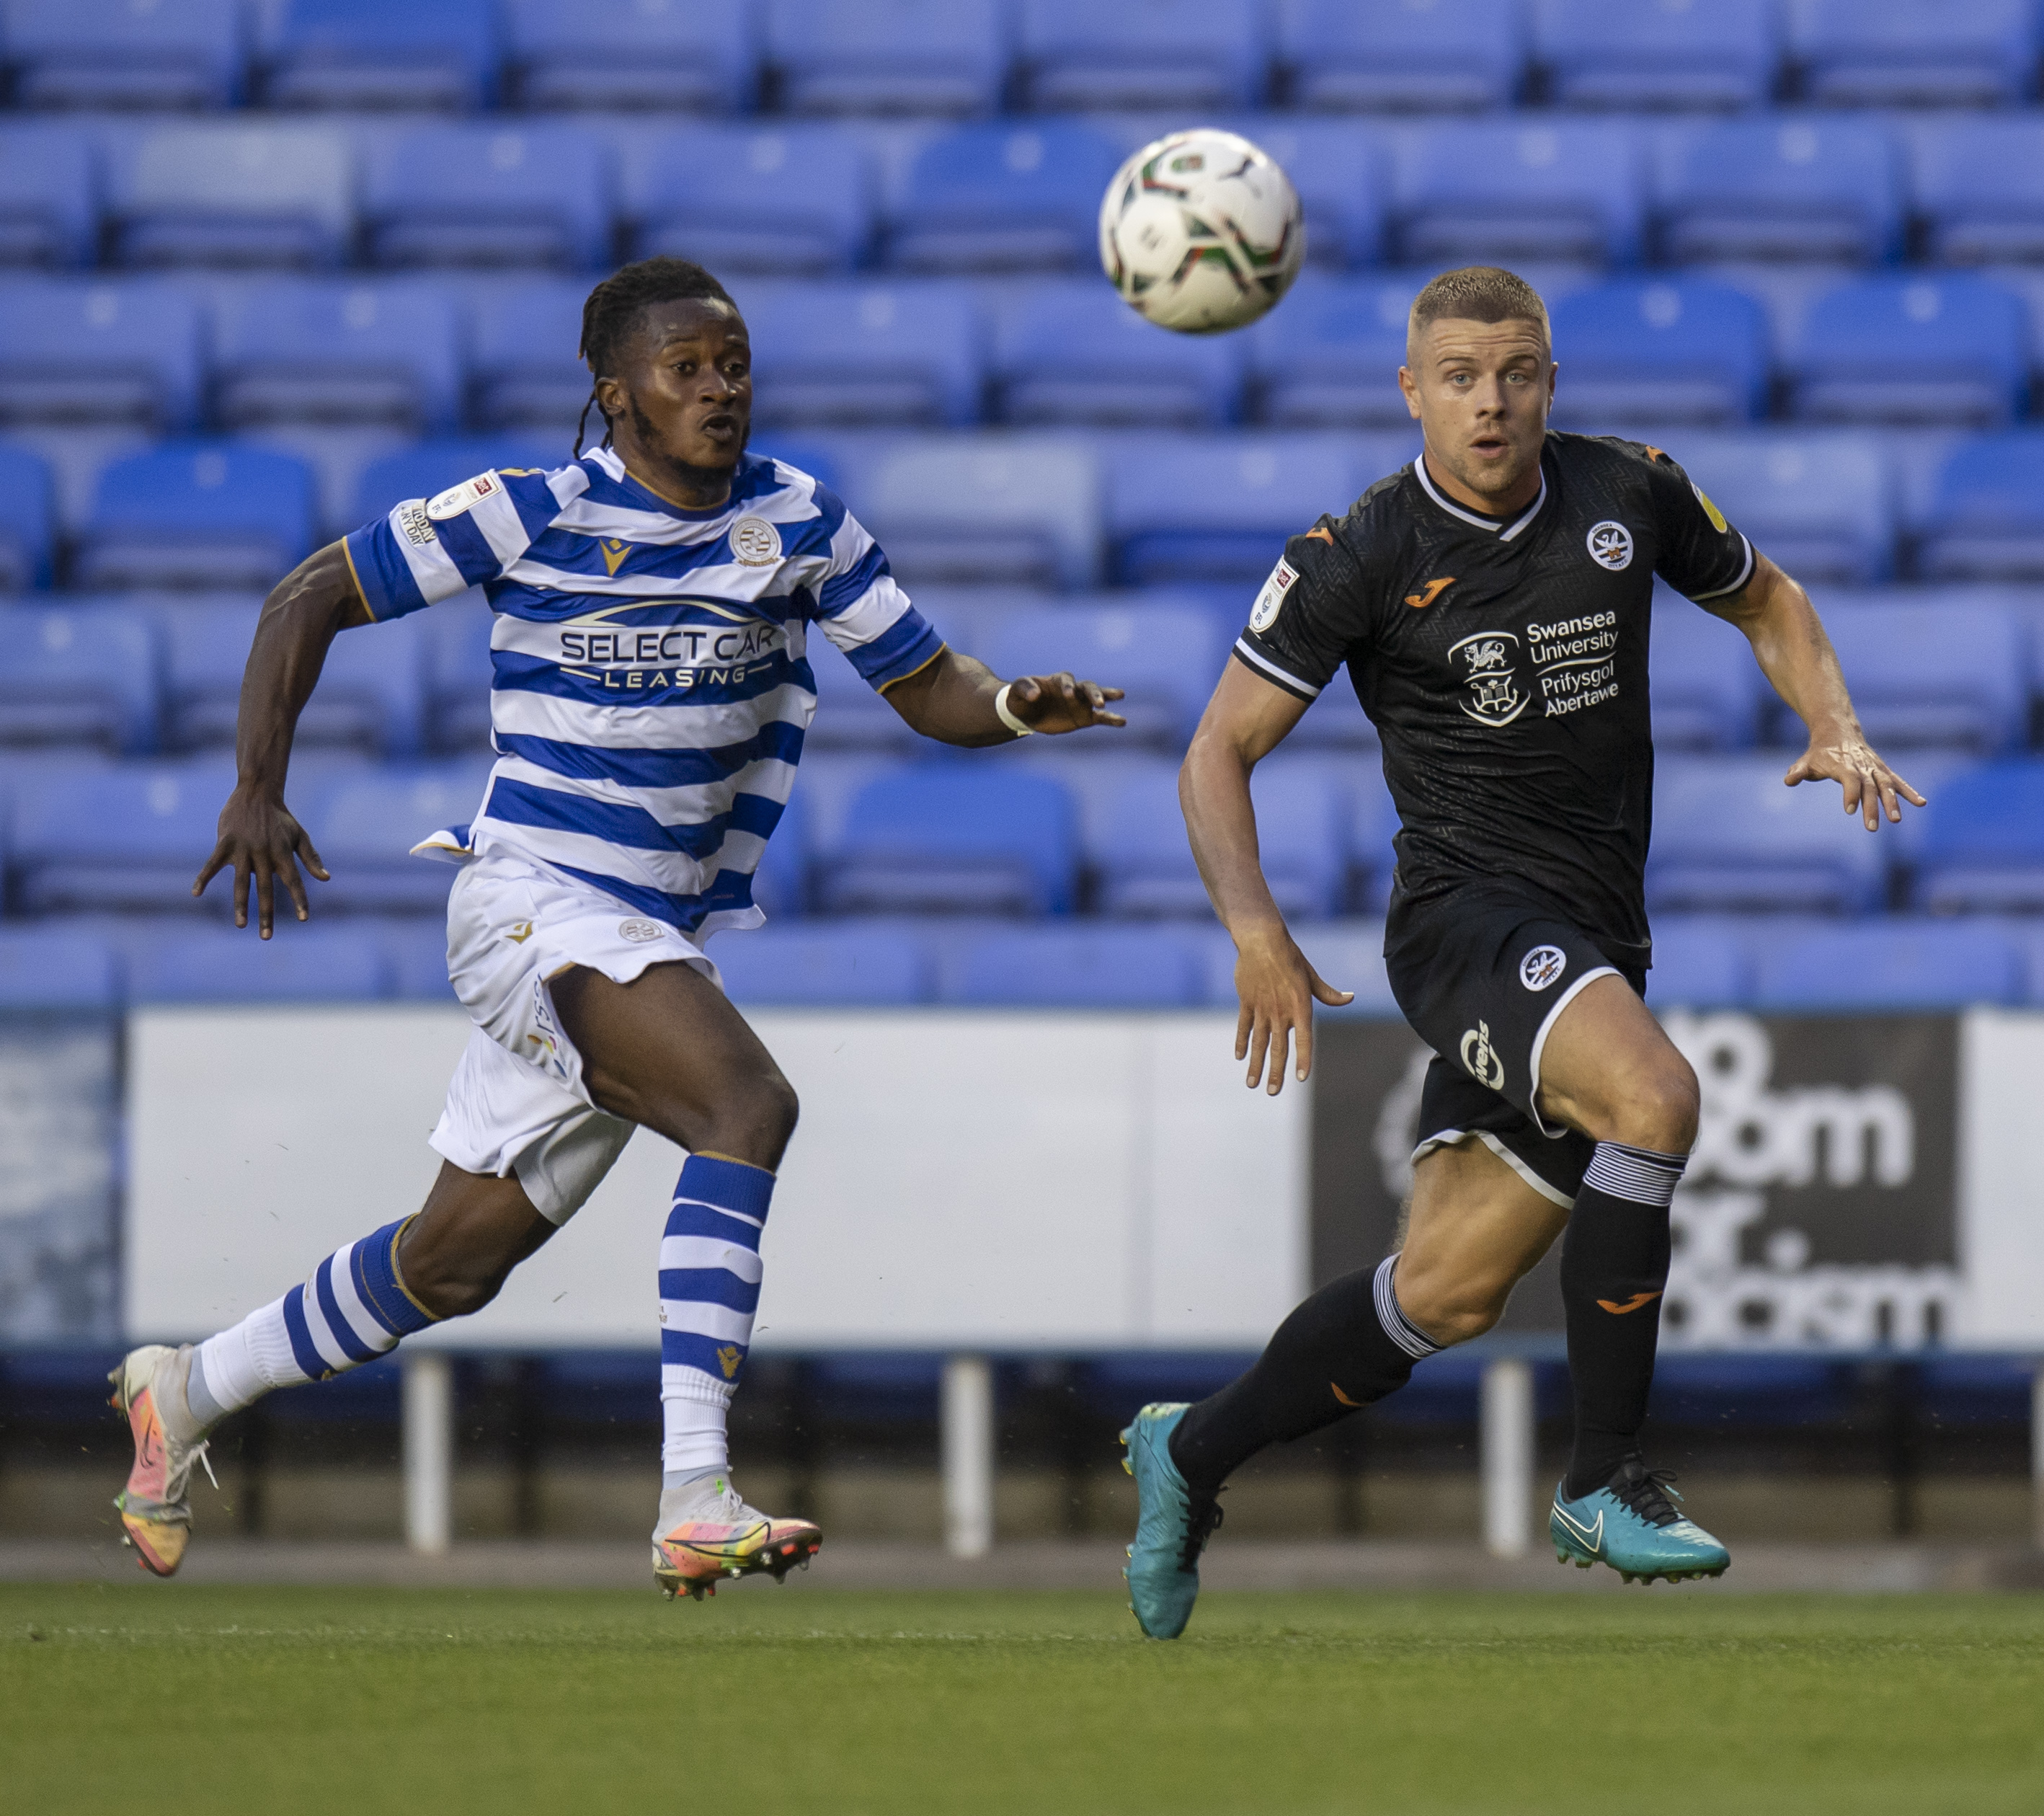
(652, 689)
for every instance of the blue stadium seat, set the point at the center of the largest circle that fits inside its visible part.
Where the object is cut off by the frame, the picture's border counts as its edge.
(459, 673)
(49, 204)
(26, 532)
(87, 837)
(1980, 187)
(1915, 351)
(382, 54)
(1986, 519)
(1142, 54)
(1728, 835)
(1821, 504)
(301, 964)
(1659, 353)
(416, 950)
(986, 510)
(1074, 352)
(614, 56)
(823, 966)
(904, 56)
(50, 969)
(1191, 508)
(1347, 954)
(76, 350)
(771, 200)
(1390, 56)
(1939, 964)
(1534, 189)
(1981, 847)
(1329, 359)
(118, 53)
(1610, 53)
(365, 824)
(427, 468)
(781, 883)
(196, 514)
(1800, 188)
(509, 194)
(1336, 167)
(1947, 673)
(945, 837)
(850, 715)
(1079, 968)
(866, 354)
(523, 368)
(1700, 962)
(1165, 657)
(297, 349)
(75, 677)
(1901, 53)
(1019, 196)
(1372, 816)
(1706, 686)
(222, 194)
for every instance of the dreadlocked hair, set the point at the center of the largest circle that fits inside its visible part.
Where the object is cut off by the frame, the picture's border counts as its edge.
(612, 312)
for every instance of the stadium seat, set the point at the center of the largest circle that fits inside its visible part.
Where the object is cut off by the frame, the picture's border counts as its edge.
(1074, 352)
(416, 950)
(1915, 351)
(71, 677)
(945, 837)
(887, 57)
(297, 349)
(221, 194)
(1948, 675)
(1391, 56)
(1532, 189)
(620, 55)
(301, 964)
(1706, 686)
(27, 539)
(1165, 657)
(1329, 358)
(1010, 509)
(51, 969)
(1162, 54)
(1821, 504)
(88, 838)
(428, 468)
(365, 824)
(49, 204)
(524, 370)
(118, 53)
(1659, 353)
(1901, 53)
(1078, 968)
(77, 351)
(1939, 964)
(1336, 168)
(1347, 954)
(1981, 844)
(1800, 188)
(850, 715)
(1700, 962)
(382, 54)
(1729, 836)
(1986, 519)
(197, 515)
(1611, 54)
(1195, 508)
(823, 966)
(1979, 184)
(490, 196)
(770, 200)
(459, 673)
(866, 355)
(781, 882)
(1019, 196)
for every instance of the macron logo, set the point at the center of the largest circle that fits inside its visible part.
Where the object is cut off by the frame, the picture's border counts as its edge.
(1593, 1536)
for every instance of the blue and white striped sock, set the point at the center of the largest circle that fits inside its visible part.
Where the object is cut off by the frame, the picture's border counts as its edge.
(354, 1308)
(709, 1290)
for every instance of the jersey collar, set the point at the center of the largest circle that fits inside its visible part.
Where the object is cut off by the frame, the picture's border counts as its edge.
(1503, 531)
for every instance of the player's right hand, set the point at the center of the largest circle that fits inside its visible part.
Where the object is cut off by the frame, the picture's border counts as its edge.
(1278, 989)
(259, 838)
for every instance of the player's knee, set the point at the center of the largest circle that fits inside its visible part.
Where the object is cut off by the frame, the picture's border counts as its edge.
(1452, 1310)
(752, 1120)
(449, 1288)
(1659, 1107)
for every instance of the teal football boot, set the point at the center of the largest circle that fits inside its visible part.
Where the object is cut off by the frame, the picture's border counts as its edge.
(1173, 1526)
(1629, 1525)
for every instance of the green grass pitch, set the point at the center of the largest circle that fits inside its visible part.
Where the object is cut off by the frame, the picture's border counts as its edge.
(156, 1696)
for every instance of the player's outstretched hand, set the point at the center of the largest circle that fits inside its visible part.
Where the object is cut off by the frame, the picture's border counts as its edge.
(1055, 703)
(1871, 787)
(259, 838)
(1278, 989)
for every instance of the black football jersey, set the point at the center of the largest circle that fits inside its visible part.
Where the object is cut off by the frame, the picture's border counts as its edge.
(1504, 663)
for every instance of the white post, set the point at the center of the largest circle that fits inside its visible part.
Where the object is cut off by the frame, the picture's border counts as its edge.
(1507, 1455)
(2037, 1454)
(428, 1451)
(968, 1437)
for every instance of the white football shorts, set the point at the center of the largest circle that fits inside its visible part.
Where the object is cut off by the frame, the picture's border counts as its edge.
(517, 1103)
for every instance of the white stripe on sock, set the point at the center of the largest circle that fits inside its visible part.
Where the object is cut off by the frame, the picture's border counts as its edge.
(1397, 1326)
(1638, 1175)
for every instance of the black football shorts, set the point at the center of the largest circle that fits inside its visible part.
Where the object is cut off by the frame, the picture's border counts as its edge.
(1483, 979)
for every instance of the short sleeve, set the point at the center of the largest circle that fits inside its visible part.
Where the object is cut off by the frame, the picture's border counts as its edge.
(1701, 555)
(1308, 619)
(862, 609)
(427, 550)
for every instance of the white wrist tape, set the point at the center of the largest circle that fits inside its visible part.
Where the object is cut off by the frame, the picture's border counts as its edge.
(1007, 718)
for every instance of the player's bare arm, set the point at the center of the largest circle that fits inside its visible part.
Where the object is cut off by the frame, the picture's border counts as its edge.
(1789, 642)
(956, 700)
(1245, 720)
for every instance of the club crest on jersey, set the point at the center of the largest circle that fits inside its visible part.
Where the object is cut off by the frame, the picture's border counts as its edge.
(1263, 614)
(456, 499)
(755, 542)
(1488, 662)
(1542, 966)
(1610, 545)
(639, 932)
(1480, 1058)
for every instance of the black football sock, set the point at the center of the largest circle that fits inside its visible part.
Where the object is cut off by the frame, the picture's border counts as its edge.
(1613, 1270)
(1346, 1346)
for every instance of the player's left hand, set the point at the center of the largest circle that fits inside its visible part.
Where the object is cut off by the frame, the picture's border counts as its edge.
(1054, 703)
(1871, 787)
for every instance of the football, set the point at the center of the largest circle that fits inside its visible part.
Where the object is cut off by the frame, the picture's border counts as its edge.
(1201, 233)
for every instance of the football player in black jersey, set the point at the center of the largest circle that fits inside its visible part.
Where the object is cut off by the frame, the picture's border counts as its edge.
(1492, 603)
